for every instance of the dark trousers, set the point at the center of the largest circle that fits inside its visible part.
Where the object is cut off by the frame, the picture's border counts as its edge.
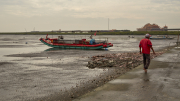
(146, 60)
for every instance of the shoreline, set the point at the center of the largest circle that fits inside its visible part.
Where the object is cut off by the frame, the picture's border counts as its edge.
(109, 74)
(92, 33)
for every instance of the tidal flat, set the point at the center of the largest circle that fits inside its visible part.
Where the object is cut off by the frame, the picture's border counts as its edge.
(30, 70)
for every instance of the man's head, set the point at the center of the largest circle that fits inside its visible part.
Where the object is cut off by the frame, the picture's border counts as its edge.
(147, 36)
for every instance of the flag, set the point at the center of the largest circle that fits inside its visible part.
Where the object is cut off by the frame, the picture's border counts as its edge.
(95, 33)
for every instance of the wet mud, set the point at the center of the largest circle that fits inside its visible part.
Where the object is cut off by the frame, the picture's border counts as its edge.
(160, 83)
(35, 72)
(123, 63)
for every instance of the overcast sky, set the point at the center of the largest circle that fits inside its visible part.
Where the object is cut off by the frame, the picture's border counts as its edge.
(47, 15)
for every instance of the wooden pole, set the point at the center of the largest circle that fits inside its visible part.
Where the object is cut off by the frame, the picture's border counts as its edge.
(178, 40)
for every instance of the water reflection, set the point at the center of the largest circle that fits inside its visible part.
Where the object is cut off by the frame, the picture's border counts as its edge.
(146, 77)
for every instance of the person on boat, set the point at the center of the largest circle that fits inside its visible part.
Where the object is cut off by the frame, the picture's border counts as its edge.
(146, 45)
(92, 41)
(60, 37)
(167, 36)
(47, 37)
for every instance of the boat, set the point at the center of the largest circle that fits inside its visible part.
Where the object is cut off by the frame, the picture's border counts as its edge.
(74, 44)
(161, 37)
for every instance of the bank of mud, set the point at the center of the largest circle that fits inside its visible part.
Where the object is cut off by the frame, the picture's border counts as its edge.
(113, 65)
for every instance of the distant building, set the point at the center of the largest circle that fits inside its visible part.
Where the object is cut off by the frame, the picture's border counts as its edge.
(152, 27)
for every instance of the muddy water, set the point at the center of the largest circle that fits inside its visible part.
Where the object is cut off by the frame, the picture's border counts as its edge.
(30, 69)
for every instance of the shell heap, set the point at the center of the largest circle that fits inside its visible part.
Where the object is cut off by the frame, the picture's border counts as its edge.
(121, 60)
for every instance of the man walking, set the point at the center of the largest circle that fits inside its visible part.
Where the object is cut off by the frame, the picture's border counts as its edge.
(146, 44)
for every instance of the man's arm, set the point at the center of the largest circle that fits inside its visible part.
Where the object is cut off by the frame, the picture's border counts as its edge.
(150, 45)
(140, 47)
(153, 51)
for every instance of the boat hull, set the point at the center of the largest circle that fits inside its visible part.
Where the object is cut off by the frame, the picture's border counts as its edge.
(73, 46)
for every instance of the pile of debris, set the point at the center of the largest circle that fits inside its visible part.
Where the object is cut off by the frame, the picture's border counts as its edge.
(125, 60)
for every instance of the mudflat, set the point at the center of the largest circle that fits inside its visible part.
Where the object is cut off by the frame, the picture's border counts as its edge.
(31, 70)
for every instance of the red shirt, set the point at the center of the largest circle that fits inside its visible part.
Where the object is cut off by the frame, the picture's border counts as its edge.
(146, 45)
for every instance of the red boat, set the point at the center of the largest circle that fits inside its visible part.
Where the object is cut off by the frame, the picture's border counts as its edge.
(74, 44)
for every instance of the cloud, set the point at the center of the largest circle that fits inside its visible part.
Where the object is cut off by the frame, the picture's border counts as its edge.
(165, 1)
(89, 8)
(125, 12)
(166, 5)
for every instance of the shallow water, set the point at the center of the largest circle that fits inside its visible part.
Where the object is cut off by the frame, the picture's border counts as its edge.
(29, 69)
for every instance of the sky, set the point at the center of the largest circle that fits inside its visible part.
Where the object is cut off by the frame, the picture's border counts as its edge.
(48, 15)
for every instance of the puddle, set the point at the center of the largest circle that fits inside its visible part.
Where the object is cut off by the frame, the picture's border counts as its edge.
(128, 76)
(116, 87)
(120, 81)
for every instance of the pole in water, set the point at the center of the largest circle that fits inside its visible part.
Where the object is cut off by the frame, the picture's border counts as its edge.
(178, 40)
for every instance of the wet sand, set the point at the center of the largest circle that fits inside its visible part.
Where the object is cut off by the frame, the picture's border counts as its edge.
(34, 71)
(127, 62)
(159, 84)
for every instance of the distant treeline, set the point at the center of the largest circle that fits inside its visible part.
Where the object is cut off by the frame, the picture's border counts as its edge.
(97, 33)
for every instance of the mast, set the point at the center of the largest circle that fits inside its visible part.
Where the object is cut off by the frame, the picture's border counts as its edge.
(108, 23)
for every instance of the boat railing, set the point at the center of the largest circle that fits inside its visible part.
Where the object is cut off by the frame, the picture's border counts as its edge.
(67, 41)
(77, 41)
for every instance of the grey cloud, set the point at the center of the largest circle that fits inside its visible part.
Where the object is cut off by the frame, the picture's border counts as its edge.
(12, 2)
(85, 14)
(164, 1)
